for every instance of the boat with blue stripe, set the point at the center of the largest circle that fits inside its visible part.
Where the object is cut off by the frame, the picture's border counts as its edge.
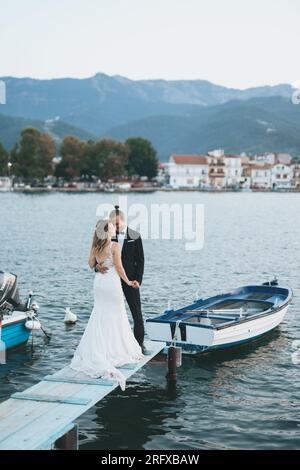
(239, 316)
(14, 332)
(17, 319)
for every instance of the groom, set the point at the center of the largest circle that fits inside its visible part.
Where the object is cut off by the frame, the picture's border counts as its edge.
(133, 262)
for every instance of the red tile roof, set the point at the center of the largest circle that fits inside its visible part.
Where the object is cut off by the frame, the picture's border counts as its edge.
(189, 159)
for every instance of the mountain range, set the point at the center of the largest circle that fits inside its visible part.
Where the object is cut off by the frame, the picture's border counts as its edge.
(176, 115)
(255, 125)
(11, 127)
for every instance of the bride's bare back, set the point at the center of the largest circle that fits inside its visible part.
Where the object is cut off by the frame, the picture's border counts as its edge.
(106, 254)
(111, 256)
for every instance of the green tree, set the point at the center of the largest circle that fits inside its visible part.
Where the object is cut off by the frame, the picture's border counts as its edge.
(48, 152)
(107, 158)
(3, 161)
(142, 159)
(73, 152)
(32, 156)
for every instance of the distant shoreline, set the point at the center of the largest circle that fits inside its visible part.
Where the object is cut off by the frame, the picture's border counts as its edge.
(145, 190)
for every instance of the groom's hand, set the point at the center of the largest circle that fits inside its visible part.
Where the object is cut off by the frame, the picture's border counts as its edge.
(101, 269)
(136, 285)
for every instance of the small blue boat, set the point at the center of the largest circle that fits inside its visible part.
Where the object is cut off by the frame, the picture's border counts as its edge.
(14, 332)
(226, 320)
(17, 319)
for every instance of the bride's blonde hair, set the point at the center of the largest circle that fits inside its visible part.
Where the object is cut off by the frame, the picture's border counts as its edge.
(100, 239)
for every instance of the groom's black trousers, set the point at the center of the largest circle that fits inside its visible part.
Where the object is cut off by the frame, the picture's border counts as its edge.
(133, 299)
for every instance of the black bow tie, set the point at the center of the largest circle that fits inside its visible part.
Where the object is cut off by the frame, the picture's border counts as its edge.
(121, 233)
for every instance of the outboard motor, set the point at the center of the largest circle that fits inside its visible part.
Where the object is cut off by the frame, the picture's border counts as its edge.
(10, 302)
(272, 283)
(9, 293)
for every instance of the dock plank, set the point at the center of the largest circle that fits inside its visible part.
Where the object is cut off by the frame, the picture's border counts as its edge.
(50, 398)
(63, 379)
(37, 424)
(10, 406)
(21, 416)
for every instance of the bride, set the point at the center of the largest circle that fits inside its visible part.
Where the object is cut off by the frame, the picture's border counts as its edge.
(108, 341)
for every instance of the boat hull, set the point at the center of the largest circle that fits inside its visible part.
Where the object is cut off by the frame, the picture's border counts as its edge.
(248, 331)
(198, 339)
(14, 332)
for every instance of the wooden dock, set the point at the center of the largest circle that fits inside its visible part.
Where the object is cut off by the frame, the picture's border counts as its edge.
(42, 417)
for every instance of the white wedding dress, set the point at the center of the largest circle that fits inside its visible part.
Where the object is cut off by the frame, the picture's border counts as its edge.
(108, 341)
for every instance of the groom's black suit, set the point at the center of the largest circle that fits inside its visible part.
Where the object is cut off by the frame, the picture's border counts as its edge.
(133, 262)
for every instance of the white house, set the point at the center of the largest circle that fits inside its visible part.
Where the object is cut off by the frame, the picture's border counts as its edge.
(261, 176)
(225, 169)
(282, 176)
(268, 158)
(233, 169)
(216, 169)
(246, 177)
(216, 153)
(188, 171)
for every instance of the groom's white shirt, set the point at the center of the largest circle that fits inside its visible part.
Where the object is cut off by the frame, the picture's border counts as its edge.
(121, 237)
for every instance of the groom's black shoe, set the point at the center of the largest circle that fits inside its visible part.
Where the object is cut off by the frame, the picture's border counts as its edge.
(146, 351)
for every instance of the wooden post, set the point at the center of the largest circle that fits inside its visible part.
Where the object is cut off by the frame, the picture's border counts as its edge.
(68, 441)
(174, 361)
(171, 375)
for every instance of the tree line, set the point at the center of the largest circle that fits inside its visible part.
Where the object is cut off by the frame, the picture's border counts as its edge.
(33, 158)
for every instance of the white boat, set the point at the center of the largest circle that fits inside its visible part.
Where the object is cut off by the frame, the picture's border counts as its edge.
(239, 316)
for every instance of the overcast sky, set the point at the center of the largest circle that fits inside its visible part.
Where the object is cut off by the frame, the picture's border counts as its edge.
(237, 43)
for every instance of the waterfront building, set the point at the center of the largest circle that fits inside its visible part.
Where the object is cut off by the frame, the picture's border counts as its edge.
(216, 153)
(261, 176)
(296, 172)
(216, 171)
(245, 182)
(282, 176)
(188, 171)
(284, 158)
(233, 170)
(267, 158)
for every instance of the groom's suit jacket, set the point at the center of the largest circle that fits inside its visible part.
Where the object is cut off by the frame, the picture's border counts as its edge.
(133, 255)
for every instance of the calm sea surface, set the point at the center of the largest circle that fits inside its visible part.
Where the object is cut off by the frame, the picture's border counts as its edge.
(247, 398)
